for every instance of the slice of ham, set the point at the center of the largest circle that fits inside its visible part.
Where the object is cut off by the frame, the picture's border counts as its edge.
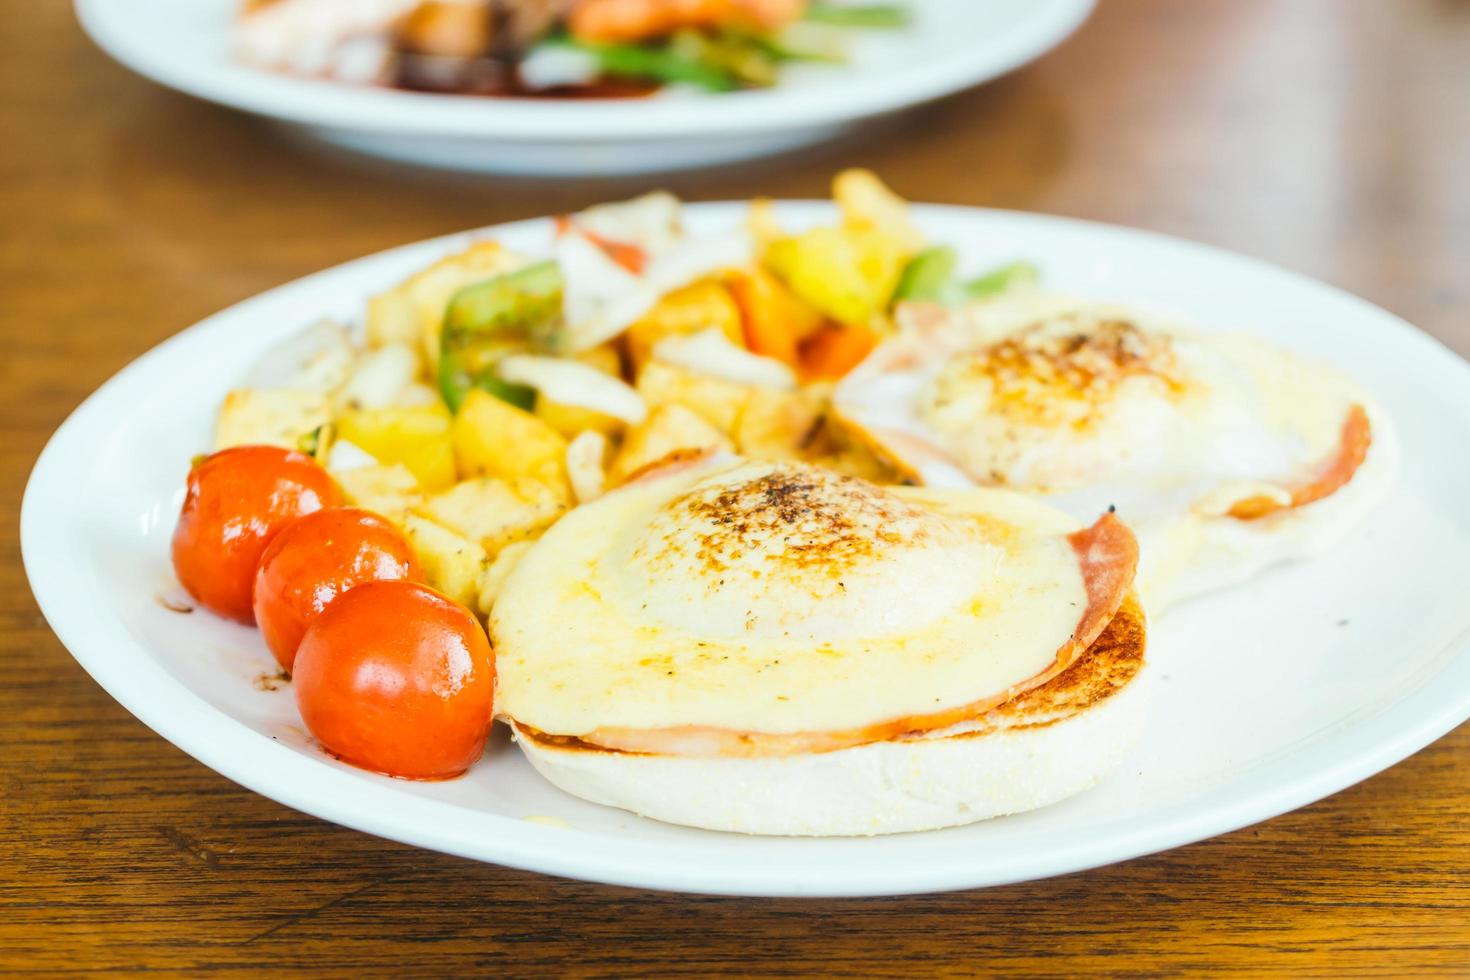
(1107, 554)
(1352, 449)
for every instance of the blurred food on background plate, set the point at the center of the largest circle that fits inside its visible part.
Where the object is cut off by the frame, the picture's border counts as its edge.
(557, 48)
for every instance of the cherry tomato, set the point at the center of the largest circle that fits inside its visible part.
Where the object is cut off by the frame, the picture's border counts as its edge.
(395, 678)
(317, 558)
(236, 501)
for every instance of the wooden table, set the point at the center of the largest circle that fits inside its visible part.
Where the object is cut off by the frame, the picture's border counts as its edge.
(1331, 136)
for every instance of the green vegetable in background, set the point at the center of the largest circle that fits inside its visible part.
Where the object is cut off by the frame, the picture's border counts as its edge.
(664, 64)
(999, 280)
(929, 276)
(741, 56)
(859, 15)
(488, 320)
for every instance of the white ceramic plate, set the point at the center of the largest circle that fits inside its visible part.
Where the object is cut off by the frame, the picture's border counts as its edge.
(1267, 697)
(952, 44)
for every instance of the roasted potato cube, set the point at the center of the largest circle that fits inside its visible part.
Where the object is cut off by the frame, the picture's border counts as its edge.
(492, 580)
(668, 428)
(569, 421)
(451, 562)
(777, 424)
(269, 417)
(389, 490)
(417, 436)
(605, 358)
(717, 401)
(495, 512)
(493, 437)
(693, 309)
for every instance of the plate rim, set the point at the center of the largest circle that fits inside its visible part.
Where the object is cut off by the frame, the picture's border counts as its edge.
(1438, 702)
(387, 112)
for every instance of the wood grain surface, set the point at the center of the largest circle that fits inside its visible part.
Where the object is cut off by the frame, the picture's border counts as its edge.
(1331, 136)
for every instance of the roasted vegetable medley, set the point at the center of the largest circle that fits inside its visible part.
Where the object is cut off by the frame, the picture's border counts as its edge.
(490, 392)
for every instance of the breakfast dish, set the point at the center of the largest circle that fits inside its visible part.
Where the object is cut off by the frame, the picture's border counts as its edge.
(1225, 453)
(754, 519)
(195, 46)
(352, 578)
(552, 48)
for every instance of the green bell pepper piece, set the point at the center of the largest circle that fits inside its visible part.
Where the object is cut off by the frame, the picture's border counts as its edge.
(929, 276)
(487, 320)
(999, 280)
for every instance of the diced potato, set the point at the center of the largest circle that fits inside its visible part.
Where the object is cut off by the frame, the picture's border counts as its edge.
(492, 579)
(717, 401)
(571, 420)
(866, 202)
(393, 319)
(847, 273)
(855, 460)
(689, 310)
(269, 417)
(418, 437)
(587, 465)
(605, 358)
(412, 313)
(777, 424)
(378, 377)
(495, 512)
(451, 562)
(388, 490)
(493, 437)
(668, 428)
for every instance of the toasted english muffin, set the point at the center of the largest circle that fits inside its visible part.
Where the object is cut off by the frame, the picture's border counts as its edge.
(1043, 746)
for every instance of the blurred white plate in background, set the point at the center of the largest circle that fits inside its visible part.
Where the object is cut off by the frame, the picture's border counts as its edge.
(1267, 697)
(951, 45)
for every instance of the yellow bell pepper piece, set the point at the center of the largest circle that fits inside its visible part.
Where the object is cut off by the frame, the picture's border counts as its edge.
(848, 273)
(418, 437)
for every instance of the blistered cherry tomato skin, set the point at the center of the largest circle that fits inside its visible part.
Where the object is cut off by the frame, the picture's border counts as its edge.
(317, 558)
(396, 678)
(235, 502)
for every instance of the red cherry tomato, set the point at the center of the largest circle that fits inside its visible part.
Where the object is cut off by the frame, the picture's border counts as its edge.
(236, 501)
(317, 558)
(396, 678)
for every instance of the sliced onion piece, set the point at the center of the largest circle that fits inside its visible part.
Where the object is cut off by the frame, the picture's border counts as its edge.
(711, 352)
(574, 383)
(319, 358)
